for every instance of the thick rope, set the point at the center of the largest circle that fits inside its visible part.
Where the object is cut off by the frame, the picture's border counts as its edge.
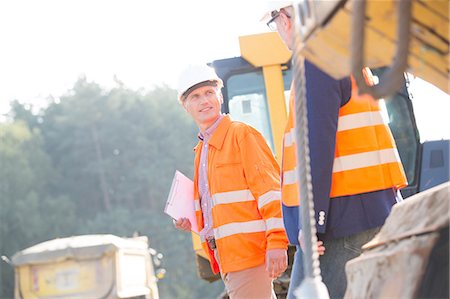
(308, 220)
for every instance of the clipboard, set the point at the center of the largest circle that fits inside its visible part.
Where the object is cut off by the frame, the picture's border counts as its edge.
(180, 202)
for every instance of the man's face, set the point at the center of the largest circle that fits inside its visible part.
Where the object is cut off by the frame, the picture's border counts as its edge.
(284, 28)
(203, 104)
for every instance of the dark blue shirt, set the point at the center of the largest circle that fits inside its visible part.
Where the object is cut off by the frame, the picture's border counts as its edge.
(344, 215)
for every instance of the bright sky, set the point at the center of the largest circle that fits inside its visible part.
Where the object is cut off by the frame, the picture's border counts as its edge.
(431, 110)
(47, 44)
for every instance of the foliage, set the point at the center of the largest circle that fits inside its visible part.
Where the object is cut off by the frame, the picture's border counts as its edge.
(98, 161)
(29, 212)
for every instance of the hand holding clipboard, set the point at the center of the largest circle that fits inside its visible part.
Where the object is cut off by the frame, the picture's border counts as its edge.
(180, 203)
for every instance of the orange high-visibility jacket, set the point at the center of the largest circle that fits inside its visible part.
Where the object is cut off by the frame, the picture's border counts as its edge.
(366, 157)
(243, 178)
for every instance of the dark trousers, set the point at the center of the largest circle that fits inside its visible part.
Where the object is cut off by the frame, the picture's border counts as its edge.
(332, 263)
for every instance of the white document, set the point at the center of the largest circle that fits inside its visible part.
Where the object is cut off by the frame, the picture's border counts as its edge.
(180, 202)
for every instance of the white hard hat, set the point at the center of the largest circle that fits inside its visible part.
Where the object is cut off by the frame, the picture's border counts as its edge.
(194, 75)
(274, 6)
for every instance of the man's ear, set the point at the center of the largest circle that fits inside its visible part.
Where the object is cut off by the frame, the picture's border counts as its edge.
(220, 98)
(184, 106)
(286, 22)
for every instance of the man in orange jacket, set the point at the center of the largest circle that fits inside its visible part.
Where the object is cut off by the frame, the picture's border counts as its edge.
(236, 191)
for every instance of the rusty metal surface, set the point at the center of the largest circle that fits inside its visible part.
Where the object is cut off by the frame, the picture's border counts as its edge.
(393, 264)
(391, 271)
(424, 212)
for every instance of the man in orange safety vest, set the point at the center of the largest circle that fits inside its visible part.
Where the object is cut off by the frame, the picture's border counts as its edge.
(355, 167)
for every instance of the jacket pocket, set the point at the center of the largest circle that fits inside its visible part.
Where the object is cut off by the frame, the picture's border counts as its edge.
(229, 177)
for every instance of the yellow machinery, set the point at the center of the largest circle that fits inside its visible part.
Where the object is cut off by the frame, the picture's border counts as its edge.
(328, 40)
(88, 266)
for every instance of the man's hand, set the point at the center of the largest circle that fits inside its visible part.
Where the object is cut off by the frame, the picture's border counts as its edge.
(183, 224)
(276, 262)
(320, 246)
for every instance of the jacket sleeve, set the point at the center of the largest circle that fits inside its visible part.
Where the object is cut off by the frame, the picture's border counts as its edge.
(262, 174)
(325, 96)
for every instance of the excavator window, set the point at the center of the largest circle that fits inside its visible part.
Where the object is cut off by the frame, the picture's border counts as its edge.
(247, 102)
(401, 120)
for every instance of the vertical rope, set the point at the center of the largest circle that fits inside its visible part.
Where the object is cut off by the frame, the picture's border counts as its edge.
(312, 286)
(308, 220)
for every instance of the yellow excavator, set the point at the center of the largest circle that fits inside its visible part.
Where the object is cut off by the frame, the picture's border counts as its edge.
(256, 86)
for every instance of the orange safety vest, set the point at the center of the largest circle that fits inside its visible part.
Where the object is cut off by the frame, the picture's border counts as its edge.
(243, 178)
(366, 157)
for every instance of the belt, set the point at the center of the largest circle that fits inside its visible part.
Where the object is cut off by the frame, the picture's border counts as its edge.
(211, 243)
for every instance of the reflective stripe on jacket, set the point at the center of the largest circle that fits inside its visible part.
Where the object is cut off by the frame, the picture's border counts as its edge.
(366, 157)
(243, 178)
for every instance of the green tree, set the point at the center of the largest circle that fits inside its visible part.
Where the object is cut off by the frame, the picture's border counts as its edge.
(29, 214)
(122, 146)
(24, 112)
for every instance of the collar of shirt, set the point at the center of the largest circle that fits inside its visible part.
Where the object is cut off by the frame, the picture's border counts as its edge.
(204, 136)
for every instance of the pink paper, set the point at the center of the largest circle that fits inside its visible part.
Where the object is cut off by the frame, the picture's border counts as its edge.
(180, 203)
